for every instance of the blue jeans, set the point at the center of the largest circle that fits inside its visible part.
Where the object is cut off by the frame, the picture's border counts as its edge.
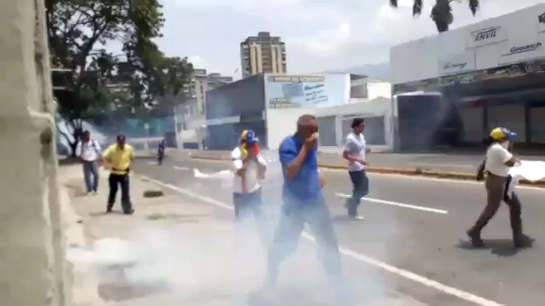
(360, 188)
(90, 175)
(292, 221)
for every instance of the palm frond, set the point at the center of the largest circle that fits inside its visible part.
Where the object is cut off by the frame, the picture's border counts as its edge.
(417, 7)
(474, 6)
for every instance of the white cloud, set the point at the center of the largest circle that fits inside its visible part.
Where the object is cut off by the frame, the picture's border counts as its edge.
(197, 61)
(326, 42)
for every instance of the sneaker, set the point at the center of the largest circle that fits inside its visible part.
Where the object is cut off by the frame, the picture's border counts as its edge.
(475, 239)
(357, 217)
(523, 241)
(95, 192)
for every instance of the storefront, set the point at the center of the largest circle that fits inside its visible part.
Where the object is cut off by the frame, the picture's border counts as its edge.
(269, 104)
(488, 74)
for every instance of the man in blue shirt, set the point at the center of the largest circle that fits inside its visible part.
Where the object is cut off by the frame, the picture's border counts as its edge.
(303, 202)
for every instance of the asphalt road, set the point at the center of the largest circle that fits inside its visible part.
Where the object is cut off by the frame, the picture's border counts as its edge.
(455, 162)
(413, 240)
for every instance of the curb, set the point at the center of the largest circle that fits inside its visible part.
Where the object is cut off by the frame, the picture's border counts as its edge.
(402, 171)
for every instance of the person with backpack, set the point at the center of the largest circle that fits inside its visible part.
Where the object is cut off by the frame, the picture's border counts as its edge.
(88, 150)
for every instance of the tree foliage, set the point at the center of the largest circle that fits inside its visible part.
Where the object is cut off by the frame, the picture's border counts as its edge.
(441, 12)
(78, 32)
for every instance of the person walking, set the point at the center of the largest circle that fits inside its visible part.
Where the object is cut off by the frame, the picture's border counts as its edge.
(355, 151)
(303, 202)
(119, 157)
(495, 172)
(250, 167)
(88, 150)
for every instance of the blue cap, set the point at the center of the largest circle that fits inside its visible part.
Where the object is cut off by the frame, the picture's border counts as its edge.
(248, 136)
(502, 133)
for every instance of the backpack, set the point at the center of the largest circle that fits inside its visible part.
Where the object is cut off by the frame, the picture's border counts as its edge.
(94, 145)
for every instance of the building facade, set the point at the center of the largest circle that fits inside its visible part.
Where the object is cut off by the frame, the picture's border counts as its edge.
(484, 75)
(200, 83)
(269, 104)
(262, 54)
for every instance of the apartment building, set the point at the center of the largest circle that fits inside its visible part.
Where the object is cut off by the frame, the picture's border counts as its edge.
(200, 83)
(262, 54)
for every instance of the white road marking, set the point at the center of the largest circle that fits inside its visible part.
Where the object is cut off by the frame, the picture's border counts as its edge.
(416, 177)
(181, 168)
(152, 163)
(355, 255)
(423, 208)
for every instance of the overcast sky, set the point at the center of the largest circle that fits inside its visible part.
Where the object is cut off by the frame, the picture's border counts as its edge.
(319, 34)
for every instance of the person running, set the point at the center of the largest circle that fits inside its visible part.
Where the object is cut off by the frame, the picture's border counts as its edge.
(250, 168)
(495, 172)
(119, 156)
(88, 150)
(303, 202)
(355, 150)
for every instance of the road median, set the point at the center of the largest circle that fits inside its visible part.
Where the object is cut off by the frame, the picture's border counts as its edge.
(410, 171)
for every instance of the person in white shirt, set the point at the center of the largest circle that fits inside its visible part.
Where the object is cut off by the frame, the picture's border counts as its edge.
(497, 165)
(249, 168)
(88, 151)
(355, 150)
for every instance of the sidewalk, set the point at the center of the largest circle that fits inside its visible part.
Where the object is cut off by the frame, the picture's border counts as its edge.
(197, 259)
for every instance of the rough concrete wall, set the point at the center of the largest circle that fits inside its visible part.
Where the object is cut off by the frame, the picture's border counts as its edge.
(32, 268)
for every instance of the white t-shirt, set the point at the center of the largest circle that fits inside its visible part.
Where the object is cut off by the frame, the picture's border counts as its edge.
(252, 180)
(356, 146)
(89, 151)
(496, 156)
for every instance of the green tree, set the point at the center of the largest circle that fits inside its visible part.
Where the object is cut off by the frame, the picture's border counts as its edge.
(77, 31)
(441, 12)
(157, 80)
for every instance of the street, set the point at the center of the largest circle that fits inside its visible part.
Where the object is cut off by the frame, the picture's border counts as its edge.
(413, 240)
(442, 162)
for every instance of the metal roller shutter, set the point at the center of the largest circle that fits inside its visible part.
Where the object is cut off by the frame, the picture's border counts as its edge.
(510, 116)
(473, 127)
(537, 124)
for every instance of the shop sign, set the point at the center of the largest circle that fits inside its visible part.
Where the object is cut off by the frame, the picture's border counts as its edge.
(486, 36)
(458, 63)
(518, 52)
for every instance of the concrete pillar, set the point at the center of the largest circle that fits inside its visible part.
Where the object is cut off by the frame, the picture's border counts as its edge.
(32, 269)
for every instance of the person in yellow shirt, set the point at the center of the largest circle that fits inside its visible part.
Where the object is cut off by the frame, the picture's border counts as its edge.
(119, 157)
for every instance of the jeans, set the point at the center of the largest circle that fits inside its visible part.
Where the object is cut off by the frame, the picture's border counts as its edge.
(90, 175)
(360, 188)
(116, 180)
(292, 220)
(248, 204)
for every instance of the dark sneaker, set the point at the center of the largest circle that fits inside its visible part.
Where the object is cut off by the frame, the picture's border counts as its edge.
(475, 239)
(523, 241)
(129, 212)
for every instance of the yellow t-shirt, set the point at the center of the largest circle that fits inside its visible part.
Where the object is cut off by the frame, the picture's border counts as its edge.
(120, 158)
